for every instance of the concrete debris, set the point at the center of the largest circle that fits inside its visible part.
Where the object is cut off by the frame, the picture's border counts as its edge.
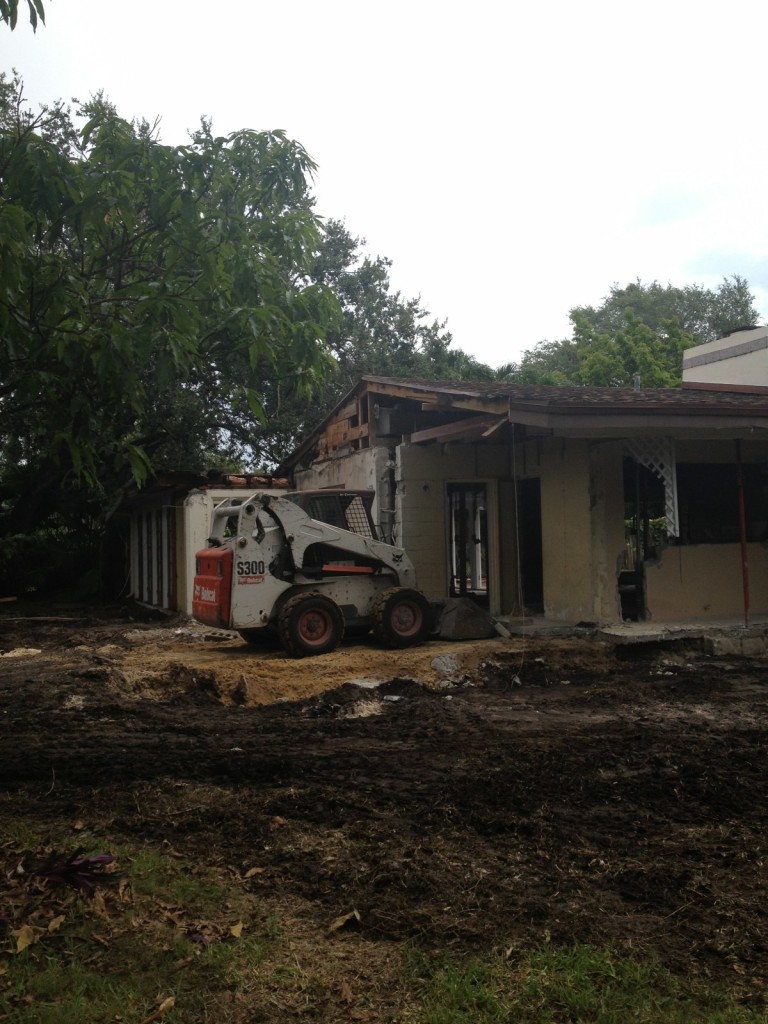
(447, 665)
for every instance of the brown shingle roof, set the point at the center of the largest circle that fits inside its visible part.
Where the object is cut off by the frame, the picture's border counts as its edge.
(584, 408)
(555, 397)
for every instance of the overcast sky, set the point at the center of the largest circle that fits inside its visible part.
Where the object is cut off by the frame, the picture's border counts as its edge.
(512, 160)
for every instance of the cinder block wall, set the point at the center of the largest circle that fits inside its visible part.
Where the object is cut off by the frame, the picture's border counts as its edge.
(567, 530)
(420, 517)
(421, 508)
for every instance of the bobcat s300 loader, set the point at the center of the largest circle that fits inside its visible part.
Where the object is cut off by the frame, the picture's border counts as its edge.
(305, 567)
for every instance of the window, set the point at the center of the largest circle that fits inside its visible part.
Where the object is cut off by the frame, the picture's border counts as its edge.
(708, 499)
(708, 506)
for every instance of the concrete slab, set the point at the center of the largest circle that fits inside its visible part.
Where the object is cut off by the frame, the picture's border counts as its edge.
(721, 635)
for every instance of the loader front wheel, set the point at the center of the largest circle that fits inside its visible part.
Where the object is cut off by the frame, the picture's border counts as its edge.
(310, 624)
(401, 617)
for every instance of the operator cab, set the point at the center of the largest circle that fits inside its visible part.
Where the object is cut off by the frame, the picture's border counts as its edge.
(346, 510)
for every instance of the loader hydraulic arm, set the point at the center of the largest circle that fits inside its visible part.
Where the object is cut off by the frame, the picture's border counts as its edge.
(301, 533)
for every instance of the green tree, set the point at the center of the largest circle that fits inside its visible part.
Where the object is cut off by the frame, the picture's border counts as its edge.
(704, 313)
(636, 351)
(9, 12)
(549, 362)
(380, 331)
(148, 294)
(639, 331)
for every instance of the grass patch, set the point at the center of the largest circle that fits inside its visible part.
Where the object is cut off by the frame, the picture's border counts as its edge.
(164, 935)
(178, 941)
(576, 985)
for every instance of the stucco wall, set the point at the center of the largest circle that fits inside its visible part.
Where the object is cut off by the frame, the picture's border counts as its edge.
(704, 581)
(509, 601)
(582, 511)
(567, 531)
(582, 507)
(421, 517)
(422, 508)
(607, 526)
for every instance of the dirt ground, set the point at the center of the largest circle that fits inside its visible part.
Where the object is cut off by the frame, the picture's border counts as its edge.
(476, 795)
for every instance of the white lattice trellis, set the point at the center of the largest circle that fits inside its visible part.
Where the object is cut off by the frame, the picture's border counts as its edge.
(658, 455)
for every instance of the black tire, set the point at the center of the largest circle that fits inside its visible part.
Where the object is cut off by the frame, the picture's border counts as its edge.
(310, 624)
(401, 617)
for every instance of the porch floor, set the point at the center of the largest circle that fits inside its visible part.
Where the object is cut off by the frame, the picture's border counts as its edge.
(722, 630)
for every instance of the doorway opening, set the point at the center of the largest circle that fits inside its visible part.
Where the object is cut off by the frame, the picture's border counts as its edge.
(530, 554)
(468, 520)
(645, 531)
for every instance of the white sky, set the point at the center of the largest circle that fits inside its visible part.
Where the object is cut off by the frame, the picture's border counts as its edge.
(512, 159)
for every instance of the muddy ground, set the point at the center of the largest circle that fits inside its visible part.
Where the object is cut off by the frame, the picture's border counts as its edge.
(467, 796)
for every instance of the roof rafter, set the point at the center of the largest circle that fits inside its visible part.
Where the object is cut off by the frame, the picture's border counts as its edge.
(472, 425)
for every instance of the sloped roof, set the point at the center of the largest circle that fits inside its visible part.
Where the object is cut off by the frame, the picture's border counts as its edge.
(590, 411)
(555, 396)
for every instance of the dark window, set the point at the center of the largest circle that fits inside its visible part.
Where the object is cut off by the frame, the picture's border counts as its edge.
(708, 503)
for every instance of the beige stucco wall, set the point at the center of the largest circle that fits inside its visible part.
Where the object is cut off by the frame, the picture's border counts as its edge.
(509, 601)
(422, 509)
(607, 525)
(704, 581)
(582, 512)
(582, 520)
(566, 530)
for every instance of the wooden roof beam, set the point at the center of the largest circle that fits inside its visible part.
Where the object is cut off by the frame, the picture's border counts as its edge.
(485, 425)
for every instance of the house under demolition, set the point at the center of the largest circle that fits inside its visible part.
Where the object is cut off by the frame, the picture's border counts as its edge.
(580, 504)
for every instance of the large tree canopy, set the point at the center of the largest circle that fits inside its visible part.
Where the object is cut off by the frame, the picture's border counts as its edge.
(640, 330)
(148, 293)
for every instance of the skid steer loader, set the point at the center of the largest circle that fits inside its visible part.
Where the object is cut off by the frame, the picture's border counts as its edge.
(305, 567)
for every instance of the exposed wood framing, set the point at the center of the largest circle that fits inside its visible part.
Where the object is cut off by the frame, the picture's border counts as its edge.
(341, 435)
(473, 425)
(348, 411)
(369, 398)
(442, 400)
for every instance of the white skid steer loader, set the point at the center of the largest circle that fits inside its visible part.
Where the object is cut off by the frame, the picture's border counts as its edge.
(304, 567)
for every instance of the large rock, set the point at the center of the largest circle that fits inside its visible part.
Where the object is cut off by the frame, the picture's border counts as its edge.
(462, 619)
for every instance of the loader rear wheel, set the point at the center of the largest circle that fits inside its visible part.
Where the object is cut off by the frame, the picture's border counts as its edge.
(401, 617)
(310, 624)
